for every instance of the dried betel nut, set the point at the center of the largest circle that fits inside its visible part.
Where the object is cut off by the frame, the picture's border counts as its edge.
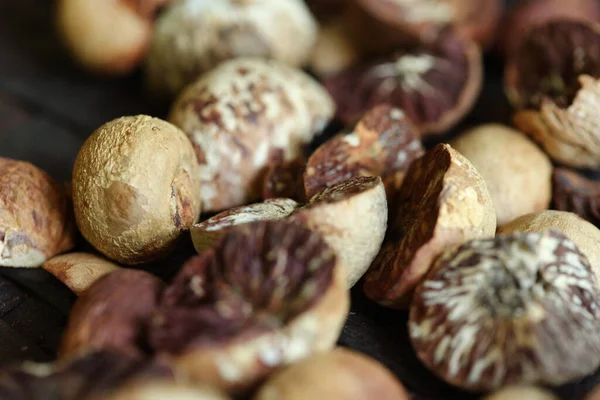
(516, 171)
(136, 188)
(574, 193)
(383, 143)
(165, 389)
(435, 85)
(552, 79)
(520, 308)
(78, 271)
(35, 218)
(521, 392)
(442, 203)
(346, 372)
(193, 36)
(240, 117)
(285, 180)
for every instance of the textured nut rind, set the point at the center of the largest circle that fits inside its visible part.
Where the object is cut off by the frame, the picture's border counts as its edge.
(136, 188)
(516, 309)
(574, 193)
(346, 373)
(285, 180)
(161, 390)
(193, 36)
(516, 171)
(521, 393)
(35, 216)
(241, 115)
(442, 203)
(384, 143)
(78, 271)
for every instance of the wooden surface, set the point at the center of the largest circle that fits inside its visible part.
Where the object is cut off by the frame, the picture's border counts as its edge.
(47, 109)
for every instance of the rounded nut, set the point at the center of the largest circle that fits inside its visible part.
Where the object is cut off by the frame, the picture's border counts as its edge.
(164, 389)
(35, 217)
(516, 171)
(521, 393)
(78, 271)
(516, 309)
(285, 180)
(345, 370)
(194, 36)
(574, 193)
(136, 187)
(242, 116)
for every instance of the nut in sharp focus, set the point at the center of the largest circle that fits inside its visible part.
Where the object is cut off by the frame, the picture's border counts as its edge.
(285, 180)
(552, 78)
(517, 309)
(243, 115)
(575, 193)
(443, 202)
(35, 217)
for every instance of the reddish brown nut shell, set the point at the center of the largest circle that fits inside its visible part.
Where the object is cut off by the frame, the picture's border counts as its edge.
(435, 85)
(35, 216)
(442, 203)
(284, 180)
(384, 143)
(515, 309)
(575, 193)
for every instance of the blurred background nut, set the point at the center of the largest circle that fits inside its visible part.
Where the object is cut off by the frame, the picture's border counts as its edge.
(194, 36)
(35, 217)
(575, 193)
(341, 374)
(243, 116)
(165, 389)
(516, 171)
(136, 187)
(521, 393)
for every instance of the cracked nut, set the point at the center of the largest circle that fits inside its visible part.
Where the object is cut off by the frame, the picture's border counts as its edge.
(516, 171)
(193, 36)
(136, 188)
(442, 203)
(345, 370)
(284, 180)
(241, 117)
(78, 271)
(521, 393)
(516, 309)
(552, 80)
(575, 193)
(384, 143)
(35, 217)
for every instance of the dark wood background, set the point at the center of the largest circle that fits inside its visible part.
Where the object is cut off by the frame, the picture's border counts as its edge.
(48, 107)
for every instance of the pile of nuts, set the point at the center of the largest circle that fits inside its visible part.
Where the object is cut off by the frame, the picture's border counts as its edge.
(502, 292)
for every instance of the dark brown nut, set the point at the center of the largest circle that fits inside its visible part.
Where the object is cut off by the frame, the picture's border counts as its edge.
(111, 314)
(345, 371)
(575, 193)
(166, 389)
(194, 36)
(136, 188)
(435, 85)
(35, 217)
(552, 80)
(516, 171)
(515, 309)
(325, 9)
(243, 115)
(384, 143)
(78, 271)
(521, 393)
(442, 203)
(285, 180)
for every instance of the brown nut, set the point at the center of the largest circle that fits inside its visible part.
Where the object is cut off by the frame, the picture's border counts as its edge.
(442, 203)
(78, 271)
(165, 389)
(574, 193)
(136, 188)
(35, 217)
(521, 393)
(552, 79)
(515, 309)
(384, 143)
(345, 372)
(435, 85)
(240, 117)
(194, 36)
(516, 171)
(284, 180)
(585, 235)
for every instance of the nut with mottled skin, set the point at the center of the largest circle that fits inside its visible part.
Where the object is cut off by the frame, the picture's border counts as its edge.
(521, 393)
(285, 180)
(35, 217)
(78, 271)
(136, 188)
(574, 193)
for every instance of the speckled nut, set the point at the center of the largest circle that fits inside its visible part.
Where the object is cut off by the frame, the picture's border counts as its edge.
(78, 271)
(350, 376)
(194, 36)
(575, 193)
(516, 171)
(516, 309)
(240, 117)
(165, 389)
(35, 217)
(136, 187)
(442, 203)
(521, 393)
(585, 235)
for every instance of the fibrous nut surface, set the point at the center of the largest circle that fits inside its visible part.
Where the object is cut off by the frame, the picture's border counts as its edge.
(575, 193)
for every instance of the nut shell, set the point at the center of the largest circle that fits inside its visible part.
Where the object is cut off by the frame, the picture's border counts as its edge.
(285, 180)
(575, 193)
